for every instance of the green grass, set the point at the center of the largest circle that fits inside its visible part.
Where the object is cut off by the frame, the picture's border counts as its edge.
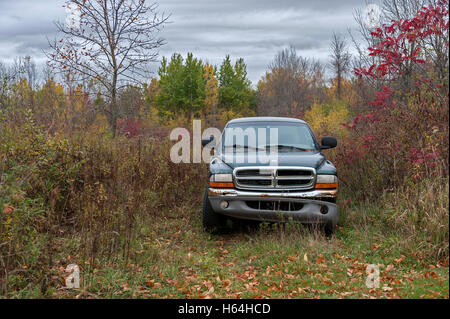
(174, 258)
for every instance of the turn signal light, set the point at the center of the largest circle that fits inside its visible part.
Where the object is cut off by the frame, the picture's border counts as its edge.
(326, 186)
(221, 185)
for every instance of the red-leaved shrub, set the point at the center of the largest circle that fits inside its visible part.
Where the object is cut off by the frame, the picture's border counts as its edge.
(405, 135)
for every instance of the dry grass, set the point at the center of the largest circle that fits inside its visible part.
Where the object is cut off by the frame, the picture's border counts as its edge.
(420, 212)
(131, 219)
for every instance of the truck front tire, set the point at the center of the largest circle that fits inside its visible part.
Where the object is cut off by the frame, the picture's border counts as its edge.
(212, 222)
(329, 230)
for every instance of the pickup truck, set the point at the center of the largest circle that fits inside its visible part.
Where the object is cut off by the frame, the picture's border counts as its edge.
(292, 182)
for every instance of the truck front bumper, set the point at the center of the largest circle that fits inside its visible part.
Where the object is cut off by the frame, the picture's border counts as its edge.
(309, 207)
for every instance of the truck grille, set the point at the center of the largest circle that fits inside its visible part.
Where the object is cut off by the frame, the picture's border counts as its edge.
(274, 178)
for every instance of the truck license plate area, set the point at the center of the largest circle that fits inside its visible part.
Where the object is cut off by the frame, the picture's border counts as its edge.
(275, 205)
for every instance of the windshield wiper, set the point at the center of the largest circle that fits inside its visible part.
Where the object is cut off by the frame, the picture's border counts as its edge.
(244, 147)
(288, 146)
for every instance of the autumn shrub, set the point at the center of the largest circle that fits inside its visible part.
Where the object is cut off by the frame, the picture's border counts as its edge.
(126, 181)
(395, 156)
(92, 188)
(406, 134)
(327, 119)
(37, 176)
(228, 115)
(393, 143)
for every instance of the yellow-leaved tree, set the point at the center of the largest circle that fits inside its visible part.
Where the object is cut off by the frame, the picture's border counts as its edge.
(211, 95)
(327, 119)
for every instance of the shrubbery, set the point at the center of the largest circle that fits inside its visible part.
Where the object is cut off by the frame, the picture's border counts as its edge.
(327, 119)
(65, 181)
(88, 187)
(406, 135)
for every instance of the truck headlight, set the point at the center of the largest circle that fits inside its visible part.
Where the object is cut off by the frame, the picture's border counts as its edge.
(326, 181)
(221, 181)
(221, 178)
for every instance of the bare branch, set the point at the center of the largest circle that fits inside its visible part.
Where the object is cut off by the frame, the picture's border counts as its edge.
(114, 44)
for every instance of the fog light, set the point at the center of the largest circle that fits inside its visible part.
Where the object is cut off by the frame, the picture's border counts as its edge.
(324, 209)
(224, 204)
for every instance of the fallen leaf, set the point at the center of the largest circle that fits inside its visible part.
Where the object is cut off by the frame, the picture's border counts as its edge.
(430, 274)
(210, 291)
(157, 285)
(8, 209)
(389, 267)
(320, 259)
(399, 260)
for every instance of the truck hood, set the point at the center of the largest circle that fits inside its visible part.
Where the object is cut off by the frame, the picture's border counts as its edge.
(305, 159)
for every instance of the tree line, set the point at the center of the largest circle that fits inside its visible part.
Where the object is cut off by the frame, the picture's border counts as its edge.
(98, 74)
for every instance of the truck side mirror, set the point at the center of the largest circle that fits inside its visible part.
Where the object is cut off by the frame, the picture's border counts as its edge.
(328, 142)
(206, 141)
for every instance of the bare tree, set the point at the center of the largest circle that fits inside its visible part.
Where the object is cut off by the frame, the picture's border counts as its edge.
(24, 68)
(401, 9)
(340, 60)
(290, 85)
(113, 44)
(436, 46)
(30, 72)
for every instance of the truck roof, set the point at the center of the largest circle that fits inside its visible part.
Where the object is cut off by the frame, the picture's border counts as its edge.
(266, 119)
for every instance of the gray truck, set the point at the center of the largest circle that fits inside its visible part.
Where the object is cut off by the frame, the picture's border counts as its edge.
(270, 169)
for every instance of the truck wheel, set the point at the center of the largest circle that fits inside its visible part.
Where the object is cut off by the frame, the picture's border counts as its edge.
(329, 230)
(212, 222)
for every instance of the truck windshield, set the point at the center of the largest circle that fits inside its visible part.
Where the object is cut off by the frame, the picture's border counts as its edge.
(256, 136)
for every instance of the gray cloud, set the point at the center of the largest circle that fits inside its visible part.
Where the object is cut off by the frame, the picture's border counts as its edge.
(252, 29)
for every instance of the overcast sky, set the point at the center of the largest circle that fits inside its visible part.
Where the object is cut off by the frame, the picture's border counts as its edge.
(252, 29)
